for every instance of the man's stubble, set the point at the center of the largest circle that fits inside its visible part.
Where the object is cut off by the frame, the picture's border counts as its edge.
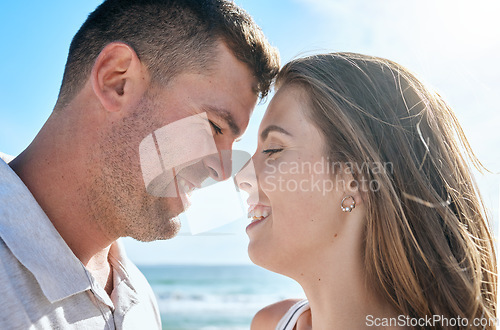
(117, 199)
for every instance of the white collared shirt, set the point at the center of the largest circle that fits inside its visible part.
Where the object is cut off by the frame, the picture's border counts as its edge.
(43, 285)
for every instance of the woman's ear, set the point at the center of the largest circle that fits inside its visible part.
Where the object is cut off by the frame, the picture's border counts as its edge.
(352, 183)
(117, 76)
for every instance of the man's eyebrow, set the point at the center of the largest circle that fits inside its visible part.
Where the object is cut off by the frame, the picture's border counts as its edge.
(225, 115)
(273, 128)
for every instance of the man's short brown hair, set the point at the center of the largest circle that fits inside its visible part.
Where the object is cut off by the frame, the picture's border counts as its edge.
(169, 37)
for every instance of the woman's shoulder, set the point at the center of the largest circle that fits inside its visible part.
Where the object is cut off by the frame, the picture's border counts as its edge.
(268, 317)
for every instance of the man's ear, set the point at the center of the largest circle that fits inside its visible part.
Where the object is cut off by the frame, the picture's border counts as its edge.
(117, 76)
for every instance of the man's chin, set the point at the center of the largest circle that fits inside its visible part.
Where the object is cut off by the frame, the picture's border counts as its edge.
(158, 220)
(167, 230)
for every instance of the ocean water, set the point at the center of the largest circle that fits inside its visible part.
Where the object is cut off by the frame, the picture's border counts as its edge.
(215, 297)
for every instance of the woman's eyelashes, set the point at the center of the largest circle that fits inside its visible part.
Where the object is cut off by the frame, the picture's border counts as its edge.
(272, 151)
(217, 129)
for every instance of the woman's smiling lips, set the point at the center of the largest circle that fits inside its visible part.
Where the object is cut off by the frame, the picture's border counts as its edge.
(258, 213)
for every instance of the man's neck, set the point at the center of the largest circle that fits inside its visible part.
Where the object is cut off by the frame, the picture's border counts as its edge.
(53, 169)
(101, 269)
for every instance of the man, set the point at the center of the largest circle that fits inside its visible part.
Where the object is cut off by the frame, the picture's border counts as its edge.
(135, 69)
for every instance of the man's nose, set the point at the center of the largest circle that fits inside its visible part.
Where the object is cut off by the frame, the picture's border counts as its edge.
(219, 165)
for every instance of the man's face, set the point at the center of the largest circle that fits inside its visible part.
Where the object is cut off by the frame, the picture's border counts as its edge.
(222, 98)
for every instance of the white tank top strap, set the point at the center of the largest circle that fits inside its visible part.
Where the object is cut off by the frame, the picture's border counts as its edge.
(289, 320)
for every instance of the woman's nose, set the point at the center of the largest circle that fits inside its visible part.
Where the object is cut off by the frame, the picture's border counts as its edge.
(246, 178)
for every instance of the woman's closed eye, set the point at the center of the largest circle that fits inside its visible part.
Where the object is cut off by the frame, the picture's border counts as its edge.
(272, 151)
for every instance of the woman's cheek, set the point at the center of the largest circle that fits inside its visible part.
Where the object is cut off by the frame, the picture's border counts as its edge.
(270, 177)
(269, 185)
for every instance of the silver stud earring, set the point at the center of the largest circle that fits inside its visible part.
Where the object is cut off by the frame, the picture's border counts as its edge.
(349, 207)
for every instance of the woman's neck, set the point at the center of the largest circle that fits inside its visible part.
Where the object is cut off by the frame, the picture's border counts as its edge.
(337, 291)
(344, 307)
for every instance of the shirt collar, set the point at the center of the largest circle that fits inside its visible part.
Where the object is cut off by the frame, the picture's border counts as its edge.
(124, 294)
(31, 237)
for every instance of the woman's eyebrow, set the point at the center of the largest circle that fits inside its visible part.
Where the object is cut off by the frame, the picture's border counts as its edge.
(273, 128)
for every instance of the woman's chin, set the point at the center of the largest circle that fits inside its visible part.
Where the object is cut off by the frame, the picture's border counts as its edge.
(259, 256)
(265, 258)
(253, 254)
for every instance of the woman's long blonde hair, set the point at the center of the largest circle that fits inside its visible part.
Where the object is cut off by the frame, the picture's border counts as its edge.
(428, 246)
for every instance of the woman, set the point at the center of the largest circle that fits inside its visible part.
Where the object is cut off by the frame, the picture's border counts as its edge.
(362, 195)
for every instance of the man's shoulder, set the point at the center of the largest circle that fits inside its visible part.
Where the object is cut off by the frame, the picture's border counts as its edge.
(9, 181)
(6, 158)
(16, 290)
(25, 304)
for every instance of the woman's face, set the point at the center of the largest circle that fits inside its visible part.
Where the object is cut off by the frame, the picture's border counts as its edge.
(293, 196)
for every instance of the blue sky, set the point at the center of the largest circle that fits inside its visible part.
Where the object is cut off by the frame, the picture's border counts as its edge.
(453, 45)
